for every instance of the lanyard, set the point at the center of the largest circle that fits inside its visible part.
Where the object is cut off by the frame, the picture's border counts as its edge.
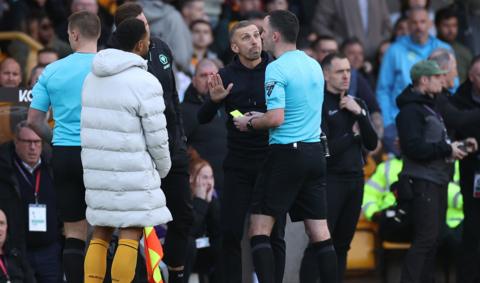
(37, 180)
(4, 269)
(37, 185)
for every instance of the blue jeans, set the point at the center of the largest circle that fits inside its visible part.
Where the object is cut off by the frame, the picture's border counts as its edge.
(46, 263)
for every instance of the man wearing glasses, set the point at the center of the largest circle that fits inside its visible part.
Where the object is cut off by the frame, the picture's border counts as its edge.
(28, 199)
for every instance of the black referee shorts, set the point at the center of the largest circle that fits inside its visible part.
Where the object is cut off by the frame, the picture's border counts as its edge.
(292, 180)
(68, 181)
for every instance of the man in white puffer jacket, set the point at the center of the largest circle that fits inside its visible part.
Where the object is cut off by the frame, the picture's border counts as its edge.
(124, 151)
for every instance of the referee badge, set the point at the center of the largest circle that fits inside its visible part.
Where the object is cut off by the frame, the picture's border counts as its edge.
(269, 87)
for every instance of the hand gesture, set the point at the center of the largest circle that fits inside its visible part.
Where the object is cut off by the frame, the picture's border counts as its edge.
(471, 145)
(216, 89)
(349, 103)
(457, 153)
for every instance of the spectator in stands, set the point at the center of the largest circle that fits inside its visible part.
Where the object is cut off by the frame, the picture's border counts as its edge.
(131, 198)
(446, 61)
(467, 98)
(26, 181)
(400, 28)
(16, 268)
(366, 20)
(353, 49)
(446, 21)
(193, 10)
(205, 242)
(469, 19)
(323, 46)
(272, 5)
(47, 56)
(202, 38)
(347, 126)
(407, 5)
(47, 36)
(209, 140)
(425, 149)
(35, 74)
(395, 69)
(453, 117)
(167, 24)
(10, 73)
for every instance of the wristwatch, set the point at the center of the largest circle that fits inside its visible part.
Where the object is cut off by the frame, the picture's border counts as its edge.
(363, 113)
(250, 125)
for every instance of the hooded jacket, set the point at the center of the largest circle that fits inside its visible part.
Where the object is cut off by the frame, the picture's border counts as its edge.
(167, 24)
(394, 74)
(423, 138)
(246, 95)
(124, 142)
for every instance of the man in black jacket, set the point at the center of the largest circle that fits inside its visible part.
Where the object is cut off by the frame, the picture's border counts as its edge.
(210, 140)
(346, 123)
(26, 186)
(239, 86)
(468, 98)
(427, 167)
(175, 185)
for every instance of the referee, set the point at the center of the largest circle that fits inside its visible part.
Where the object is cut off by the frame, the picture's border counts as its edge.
(59, 88)
(293, 176)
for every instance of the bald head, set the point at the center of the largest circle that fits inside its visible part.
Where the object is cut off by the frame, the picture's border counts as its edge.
(204, 68)
(10, 73)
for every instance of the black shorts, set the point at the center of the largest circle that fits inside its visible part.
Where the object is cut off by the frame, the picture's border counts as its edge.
(68, 181)
(292, 180)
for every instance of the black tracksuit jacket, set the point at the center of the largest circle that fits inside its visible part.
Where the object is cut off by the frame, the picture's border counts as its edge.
(160, 64)
(246, 95)
(346, 149)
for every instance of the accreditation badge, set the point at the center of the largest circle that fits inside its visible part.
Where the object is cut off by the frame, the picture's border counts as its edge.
(476, 185)
(37, 218)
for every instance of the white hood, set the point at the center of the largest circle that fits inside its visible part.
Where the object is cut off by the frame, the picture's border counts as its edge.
(109, 62)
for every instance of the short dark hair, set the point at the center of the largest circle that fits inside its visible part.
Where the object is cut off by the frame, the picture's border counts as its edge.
(444, 14)
(239, 25)
(350, 41)
(327, 61)
(286, 23)
(200, 21)
(88, 24)
(128, 34)
(126, 11)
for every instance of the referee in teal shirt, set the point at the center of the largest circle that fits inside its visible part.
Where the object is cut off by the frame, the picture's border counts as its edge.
(293, 176)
